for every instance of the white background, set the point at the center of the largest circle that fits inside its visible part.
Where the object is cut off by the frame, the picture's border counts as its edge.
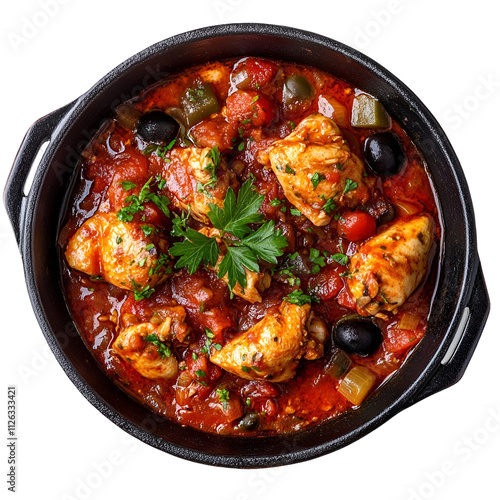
(445, 52)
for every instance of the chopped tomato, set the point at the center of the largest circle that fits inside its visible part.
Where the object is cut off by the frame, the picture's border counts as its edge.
(205, 374)
(398, 341)
(133, 170)
(214, 132)
(327, 283)
(345, 299)
(250, 109)
(260, 72)
(357, 225)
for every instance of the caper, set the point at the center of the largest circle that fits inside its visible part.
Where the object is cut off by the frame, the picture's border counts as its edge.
(250, 421)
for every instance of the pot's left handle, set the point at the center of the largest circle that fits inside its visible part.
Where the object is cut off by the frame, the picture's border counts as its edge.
(38, 133)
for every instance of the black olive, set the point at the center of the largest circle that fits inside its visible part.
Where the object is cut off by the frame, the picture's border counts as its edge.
(157, 127)
(384, 154)
(357, 336)
(250, 421)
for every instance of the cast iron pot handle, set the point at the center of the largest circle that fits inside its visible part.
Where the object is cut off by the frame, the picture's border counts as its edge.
(38, 133)
(451, 372)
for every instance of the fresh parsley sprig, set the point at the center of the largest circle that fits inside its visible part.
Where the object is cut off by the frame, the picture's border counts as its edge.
(136, 203)
(243, 245)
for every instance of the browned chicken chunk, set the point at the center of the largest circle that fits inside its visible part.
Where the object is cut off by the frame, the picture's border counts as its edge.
(388, 267)
(120, 252)
(317, 170)
(272, 348)
(151, 359)
(196, 179)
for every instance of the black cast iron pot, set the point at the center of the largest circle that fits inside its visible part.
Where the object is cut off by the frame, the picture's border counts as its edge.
(458, 313)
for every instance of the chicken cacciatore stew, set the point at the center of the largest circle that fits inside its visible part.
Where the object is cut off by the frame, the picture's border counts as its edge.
(251, 247)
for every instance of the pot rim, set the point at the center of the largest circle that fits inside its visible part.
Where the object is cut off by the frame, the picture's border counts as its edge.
(470, 266)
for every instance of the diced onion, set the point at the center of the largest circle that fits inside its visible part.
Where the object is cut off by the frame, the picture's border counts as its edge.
(408, 321)
(184, 379)
(333, 109)
(357, 384)
(407, 208)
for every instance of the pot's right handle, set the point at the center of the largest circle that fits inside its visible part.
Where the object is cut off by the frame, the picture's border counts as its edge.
(452, 371)
(38, 133)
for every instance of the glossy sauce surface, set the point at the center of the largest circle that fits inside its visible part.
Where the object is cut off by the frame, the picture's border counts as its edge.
(116, 155)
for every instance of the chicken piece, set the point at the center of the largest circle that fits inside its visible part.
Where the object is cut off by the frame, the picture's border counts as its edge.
(389, 266)
(120, 252)
(316, 154)
(142, 345)
(194, 179)
(256, 282)
(272, 348)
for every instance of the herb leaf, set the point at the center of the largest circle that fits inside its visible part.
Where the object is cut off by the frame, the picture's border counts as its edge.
(316, 179)
(243, 247)
(237, 214)
(234, 263)
(127, 185)
(266, 242)
(223, 396)
(196, 248)
(299, 298)
(126, 214)
(163, 350)
(341, 258)
(350, 185)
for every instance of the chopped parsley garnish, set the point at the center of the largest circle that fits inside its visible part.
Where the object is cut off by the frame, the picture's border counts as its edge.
(147, 230)
(292, 279)
(317, 260)
(200, 373)
(127, 185)
(118, 240)
(329, 206)
(348, 274)
(289, 169)
(208, 343)
(126, 214)
(214, 156)
(243, 247)
(245, 369)
(275, 202)
(255, 99)
(350, 185)
(341, 258)
(316, 179)
(292, 125)
(142, 292)
(179, 223)
(296, 212)
(223, 396)
(299, 298)
(161, 151)
(163, 350)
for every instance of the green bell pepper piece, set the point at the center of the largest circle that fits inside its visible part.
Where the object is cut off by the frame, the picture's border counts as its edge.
(368, 112)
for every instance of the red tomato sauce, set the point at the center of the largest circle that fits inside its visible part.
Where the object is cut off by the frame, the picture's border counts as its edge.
(98, 308)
